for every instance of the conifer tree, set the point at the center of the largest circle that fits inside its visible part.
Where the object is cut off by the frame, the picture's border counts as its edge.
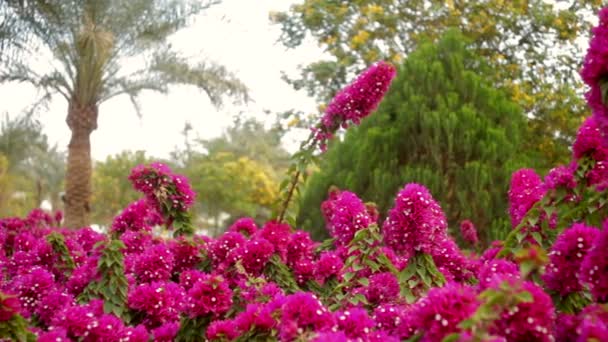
(442, 124)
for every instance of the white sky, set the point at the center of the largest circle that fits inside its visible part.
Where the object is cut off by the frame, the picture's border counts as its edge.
(236, 34)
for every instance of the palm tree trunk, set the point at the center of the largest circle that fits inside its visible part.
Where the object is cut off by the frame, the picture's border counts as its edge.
(82, 120)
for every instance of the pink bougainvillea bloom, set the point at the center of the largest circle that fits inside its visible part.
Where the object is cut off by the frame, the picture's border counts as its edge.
(355, 102)
(383, 288)
(561, 176)
(302, 311)
(255, 255)
(593, 324)
(209, 296)
(166, 332)
(154, 264)
(439, 313)
(278, 234)
(162, 187)
(526, 189)
(160, 301)
(528, 321)
(415, 222)
(595, 69)
(469, 232)
(355, 323)
(345, 214)
(594, 267)
(329, 264)
(136, 216)
(566, 257)
(245, 226)
(222, 330)
(360, 98)
(497, 269)
(589, 141)
(9, 306)
(299, 247)
(55, 335)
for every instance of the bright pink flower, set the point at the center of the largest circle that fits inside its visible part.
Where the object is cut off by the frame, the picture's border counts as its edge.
(360, 98)
(222, 330)
(160, 301)
(528, 321)
(594, 267)
(355, 323)
(595, 69)
(303, 312)
(186, 253)
(526, 189)
(388, 317)
(439, 313)
(136, 216)
(154, 264)
(52, 303)
(589, 141)
(136, 334)
(278, 234)
(383, 288)
(495, 270)
(254, 255)
(245, 226)
(209, 296)
(561, 176)
(9, 306)
(468, 232)
(415, 222)
(220, 248)
(338, 336)
(566, 255)
(55, 335)
(345, 214)
(593, 324)
(299, 247)
(166, 332)
(328, 265)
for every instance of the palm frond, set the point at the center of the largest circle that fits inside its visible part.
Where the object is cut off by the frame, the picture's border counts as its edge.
(214, 79)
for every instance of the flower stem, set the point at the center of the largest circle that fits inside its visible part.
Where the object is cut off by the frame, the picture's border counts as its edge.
(292, 187)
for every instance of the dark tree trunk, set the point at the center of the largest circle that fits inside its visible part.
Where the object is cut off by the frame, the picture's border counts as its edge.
(82, 120)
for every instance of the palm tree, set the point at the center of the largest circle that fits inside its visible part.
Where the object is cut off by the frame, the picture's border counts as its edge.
(86, 41)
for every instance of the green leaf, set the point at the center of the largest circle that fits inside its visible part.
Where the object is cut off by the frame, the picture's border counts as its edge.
(451, 337)
(524, 296)
(604, 89)
(363, 281)
(538, 238)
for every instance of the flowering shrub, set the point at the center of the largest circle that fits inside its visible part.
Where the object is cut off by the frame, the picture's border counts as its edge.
(403, 278)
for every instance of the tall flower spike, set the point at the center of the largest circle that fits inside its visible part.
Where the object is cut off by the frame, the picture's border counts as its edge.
(357, 100)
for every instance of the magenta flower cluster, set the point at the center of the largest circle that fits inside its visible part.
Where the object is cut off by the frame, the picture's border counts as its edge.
(469, 232)
(567, 255)
(355, 101)
(595, 70)
(344, 215)
(163, 189)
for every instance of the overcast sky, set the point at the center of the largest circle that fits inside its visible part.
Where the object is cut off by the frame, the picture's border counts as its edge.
(237, 34)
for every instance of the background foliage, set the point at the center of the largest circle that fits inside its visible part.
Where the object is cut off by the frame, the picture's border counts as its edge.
(442, 124)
